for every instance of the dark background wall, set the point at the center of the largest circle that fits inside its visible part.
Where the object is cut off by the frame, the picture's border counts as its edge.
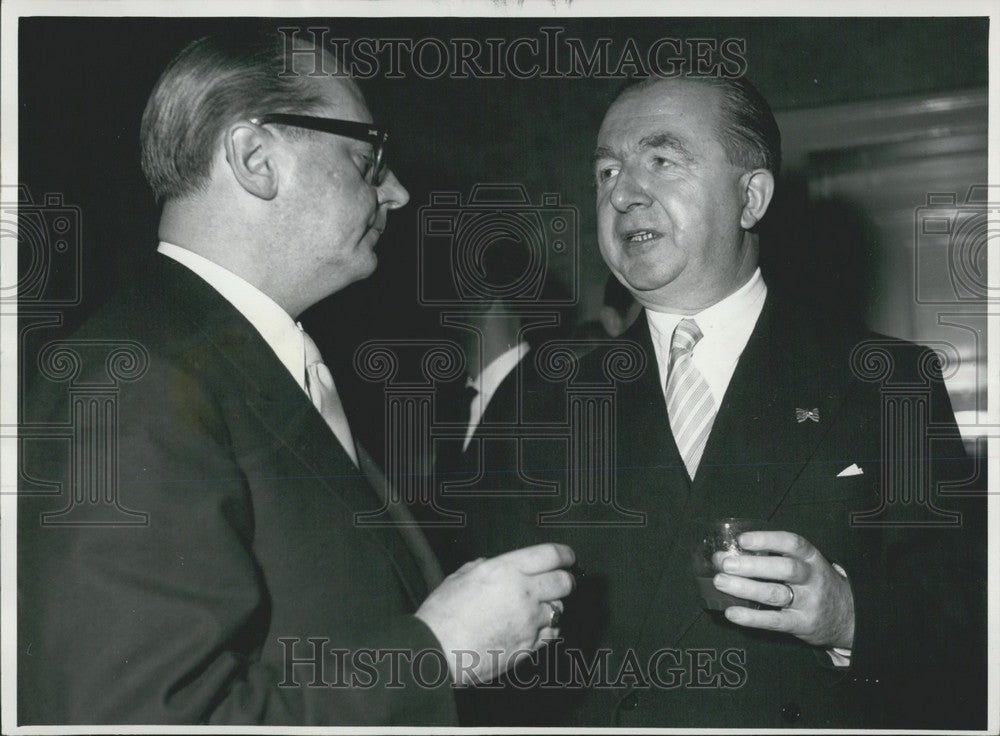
(84, 83)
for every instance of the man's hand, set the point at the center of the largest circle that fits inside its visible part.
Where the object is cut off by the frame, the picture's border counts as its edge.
(822, 609)
(503, 604)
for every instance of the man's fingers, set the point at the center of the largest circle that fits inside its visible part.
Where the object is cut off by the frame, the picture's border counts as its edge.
(720, 556)
(785, 543)
(771, 620)
(552, 585)
(771, 594)
(540, 558)
(789, 569)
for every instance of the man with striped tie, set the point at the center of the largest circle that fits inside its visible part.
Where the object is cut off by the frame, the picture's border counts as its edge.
(859, 612)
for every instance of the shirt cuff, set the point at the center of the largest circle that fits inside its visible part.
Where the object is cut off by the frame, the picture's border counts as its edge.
(840, 656)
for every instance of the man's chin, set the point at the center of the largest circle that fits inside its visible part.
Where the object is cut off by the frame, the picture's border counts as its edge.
(643, 278)
(361, 267)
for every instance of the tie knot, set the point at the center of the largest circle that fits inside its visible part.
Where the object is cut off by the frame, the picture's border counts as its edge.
(686, 336)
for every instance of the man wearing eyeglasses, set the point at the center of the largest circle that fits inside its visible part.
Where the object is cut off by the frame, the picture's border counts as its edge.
(250, 592)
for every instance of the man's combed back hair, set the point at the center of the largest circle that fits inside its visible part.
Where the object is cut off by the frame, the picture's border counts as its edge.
(748, 131)
(214, 82)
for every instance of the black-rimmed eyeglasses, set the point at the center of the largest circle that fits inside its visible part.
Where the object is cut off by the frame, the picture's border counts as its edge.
(377, 168)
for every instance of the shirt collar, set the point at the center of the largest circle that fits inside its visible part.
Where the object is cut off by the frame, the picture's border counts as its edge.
(730, 320)
(273, 323)
(493, 374)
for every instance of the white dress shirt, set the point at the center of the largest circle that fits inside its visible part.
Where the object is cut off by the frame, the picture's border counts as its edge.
(274, 324)
(487, 383)
(726, 327)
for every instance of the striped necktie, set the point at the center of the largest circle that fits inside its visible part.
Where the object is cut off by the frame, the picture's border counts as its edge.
(323, 392)
(690, 405)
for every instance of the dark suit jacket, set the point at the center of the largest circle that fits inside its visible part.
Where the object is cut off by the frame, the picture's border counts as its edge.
(480, 480)
(249, 537)
(919, 590)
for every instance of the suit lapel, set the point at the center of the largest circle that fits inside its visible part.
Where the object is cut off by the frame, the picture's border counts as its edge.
(406, 525)
(646, 446)
(271, 395)
(758, 447)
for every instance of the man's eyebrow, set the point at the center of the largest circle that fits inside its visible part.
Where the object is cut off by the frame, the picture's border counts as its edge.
(601, 152)
(664, 140)
(654, 140)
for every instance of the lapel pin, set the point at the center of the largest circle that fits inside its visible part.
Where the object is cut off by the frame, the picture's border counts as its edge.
(802, 415)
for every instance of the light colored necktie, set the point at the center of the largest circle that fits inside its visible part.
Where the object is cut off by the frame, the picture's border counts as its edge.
(323, 392)
(471, 395)
(690, 405)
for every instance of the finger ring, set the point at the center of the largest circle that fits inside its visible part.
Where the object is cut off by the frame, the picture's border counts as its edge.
(555, 616)
(791, 596)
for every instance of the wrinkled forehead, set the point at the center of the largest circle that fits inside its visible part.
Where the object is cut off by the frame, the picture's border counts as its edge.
(681, 108)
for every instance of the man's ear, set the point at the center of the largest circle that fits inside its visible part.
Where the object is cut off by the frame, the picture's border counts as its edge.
(249, 152)
(757, 189)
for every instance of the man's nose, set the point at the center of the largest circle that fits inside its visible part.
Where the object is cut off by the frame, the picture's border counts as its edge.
(628, 192)
(392, 193)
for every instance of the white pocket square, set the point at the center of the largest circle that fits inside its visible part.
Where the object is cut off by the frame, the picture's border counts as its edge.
(851, 469)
